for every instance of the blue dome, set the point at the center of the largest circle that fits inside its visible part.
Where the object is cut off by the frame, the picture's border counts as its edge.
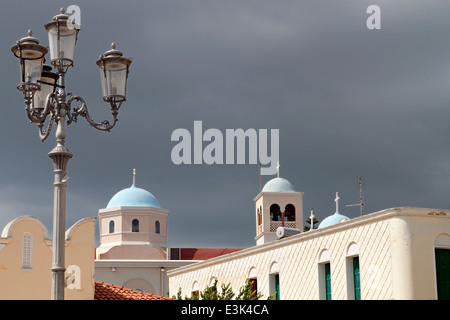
(278, 185)
(133, 197)
(333, 219)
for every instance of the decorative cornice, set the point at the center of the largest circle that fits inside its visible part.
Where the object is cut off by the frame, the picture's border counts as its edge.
(133, 243)
(6, 233)
(131, 263)
(132, 210)
(276, 194)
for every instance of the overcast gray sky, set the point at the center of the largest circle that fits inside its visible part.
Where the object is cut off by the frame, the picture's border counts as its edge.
(348, 102)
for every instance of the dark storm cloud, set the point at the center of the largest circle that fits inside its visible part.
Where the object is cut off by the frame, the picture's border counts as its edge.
(348, 102)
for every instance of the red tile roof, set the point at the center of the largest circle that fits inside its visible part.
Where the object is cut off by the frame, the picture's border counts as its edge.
(106, 291)
(204, 253)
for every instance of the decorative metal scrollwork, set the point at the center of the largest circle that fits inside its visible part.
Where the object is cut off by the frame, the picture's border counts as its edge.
(82, 111)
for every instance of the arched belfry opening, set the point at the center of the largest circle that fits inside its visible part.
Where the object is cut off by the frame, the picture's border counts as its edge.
(275, 212)
(289, 212)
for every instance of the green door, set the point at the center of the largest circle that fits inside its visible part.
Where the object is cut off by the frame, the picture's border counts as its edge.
(356, 281)
(443, 273)
(328, 281)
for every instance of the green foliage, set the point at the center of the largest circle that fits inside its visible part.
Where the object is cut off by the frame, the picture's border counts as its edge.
(212, 292)
(178, 296)
(246, 292)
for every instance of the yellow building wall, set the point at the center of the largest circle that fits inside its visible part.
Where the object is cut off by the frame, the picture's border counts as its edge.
(16, 283)
(80, 255)
(35, 283)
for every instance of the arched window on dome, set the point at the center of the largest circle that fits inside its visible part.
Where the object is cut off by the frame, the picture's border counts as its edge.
(111, 226)
(135, 225)
(289, 212)
(157, 228)
(275, 213)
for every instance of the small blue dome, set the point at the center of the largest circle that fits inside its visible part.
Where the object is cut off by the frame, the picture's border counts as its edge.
(278, 185)
(133, 197)
(333, 219)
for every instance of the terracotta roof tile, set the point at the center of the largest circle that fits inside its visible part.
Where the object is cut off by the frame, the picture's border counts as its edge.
(106, 291)
(204, 253)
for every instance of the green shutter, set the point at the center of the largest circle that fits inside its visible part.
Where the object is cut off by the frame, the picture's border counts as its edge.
(327, 281)
(356, 281)
(443, 273)
(277, 286)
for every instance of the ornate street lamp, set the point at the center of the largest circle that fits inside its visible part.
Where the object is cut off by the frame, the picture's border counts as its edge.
(46, 101)
(114, 73)
(31, 56)
(62, 37)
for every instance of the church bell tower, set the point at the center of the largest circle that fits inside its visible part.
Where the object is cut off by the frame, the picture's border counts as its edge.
(277, 205)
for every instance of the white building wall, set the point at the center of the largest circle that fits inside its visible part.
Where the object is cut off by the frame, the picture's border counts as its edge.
(386, 269)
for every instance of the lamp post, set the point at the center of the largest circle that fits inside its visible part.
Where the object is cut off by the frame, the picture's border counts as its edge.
(46, 101)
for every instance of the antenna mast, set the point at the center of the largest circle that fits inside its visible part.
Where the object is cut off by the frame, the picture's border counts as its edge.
(360, 204)
(360, 196)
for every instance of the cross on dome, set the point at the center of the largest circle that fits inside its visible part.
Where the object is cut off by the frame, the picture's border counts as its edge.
(337, 201)
(311, 217)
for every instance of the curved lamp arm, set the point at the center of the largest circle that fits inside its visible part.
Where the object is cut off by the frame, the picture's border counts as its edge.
(39, 117)
(51, 104)
(82, 111)
(43, 134)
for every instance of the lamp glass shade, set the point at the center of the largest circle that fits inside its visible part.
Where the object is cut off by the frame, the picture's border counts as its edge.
(30, 72)
(62, 37)
(31, 56)
(114, 74)
(62, 43)
(114, 80)
(48, 85)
